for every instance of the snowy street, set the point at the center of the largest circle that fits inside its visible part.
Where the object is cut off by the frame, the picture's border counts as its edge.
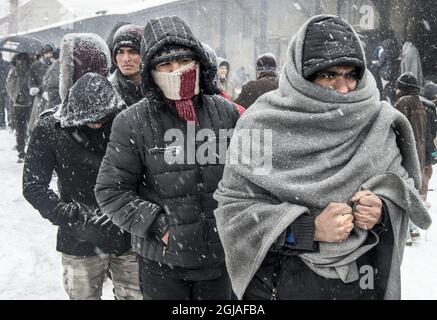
(30, 266)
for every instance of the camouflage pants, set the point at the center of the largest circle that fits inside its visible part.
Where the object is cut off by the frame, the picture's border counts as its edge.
(83, 277)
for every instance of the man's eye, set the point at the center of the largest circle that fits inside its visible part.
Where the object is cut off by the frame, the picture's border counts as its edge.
(327, 75)
(352, 76)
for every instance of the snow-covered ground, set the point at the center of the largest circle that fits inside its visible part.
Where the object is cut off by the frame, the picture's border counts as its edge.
(30, 266)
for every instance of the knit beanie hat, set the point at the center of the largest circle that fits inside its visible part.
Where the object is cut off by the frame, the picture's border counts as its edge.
(430, 91)
(171, 52)
(48, 47)
(331, 42)
(407, 82)
(127, 36)
(266, 63)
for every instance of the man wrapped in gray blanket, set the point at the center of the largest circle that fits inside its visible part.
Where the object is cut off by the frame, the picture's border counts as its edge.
(328, 218)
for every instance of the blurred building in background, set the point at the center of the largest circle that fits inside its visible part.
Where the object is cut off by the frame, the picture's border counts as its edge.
(239, 30)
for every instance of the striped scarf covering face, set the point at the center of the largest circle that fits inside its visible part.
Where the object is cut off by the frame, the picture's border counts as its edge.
(180, 86)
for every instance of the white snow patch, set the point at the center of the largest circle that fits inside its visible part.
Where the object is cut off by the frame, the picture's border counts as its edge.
(30, 266)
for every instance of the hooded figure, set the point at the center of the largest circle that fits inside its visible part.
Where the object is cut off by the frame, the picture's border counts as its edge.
(325, 151)
(167, 205)
(224, 70)
(266, 80)
(71, 140)
(213, 57)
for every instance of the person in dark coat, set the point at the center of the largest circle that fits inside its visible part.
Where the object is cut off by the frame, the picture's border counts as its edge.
(71, 140)
(167, 206)
(266, 80)
(37, 71)
(408, 103)
(51, 82)
(428, 101)
(18, 91)
(5, 66)
(126, 57)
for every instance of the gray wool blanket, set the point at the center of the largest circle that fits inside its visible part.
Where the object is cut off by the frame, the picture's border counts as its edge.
(326, 146)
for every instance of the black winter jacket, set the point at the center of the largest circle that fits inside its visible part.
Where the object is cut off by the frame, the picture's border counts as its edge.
(75, 154)
(137, 188)
(127, 90)
(135, 183)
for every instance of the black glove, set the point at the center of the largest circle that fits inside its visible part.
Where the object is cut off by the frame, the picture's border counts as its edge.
(96, 228)
(159, 226)
(65, 214)
(94, 217)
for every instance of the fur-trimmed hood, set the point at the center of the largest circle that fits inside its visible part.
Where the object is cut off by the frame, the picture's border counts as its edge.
(82, 53)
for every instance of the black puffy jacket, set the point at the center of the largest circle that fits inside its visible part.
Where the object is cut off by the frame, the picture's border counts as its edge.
(136, 185)
(75, 154)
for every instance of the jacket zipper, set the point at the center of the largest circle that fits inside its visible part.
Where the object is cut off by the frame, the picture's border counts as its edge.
(164, 250)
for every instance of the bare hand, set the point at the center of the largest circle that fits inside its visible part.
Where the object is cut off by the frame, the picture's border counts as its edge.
(334, 224)
(368, 209)
(165, 238)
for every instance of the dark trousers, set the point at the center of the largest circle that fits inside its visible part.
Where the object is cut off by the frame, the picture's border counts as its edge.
(4, 109)
(21, 119)
(286, 277)
(156, 285)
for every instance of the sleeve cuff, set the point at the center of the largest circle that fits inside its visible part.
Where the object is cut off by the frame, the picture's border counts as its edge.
(160, 225)
(302, 230)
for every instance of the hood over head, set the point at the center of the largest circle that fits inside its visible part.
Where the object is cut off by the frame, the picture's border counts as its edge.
(292, 74)
(92, 99)
(82, 53)
(167, 31)
(331, 41)
(223, 62)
